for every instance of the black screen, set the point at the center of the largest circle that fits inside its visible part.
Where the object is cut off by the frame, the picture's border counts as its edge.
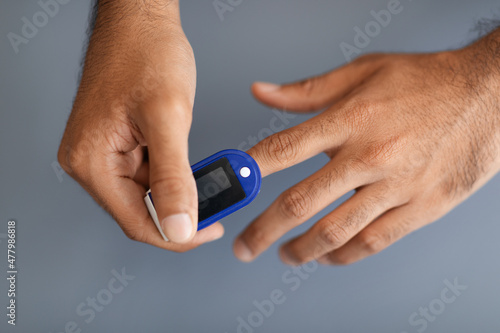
(218, 188)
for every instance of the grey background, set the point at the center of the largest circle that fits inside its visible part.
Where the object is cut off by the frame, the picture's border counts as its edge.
(68, 246)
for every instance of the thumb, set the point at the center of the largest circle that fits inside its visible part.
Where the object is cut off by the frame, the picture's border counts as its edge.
(318, 92)
(173, 187)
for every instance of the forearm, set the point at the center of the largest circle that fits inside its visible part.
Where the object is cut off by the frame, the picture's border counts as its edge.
(121, 30)
(139, 22)
(143, 14)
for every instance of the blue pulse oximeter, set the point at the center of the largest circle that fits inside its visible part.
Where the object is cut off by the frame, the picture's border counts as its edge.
(226, 182)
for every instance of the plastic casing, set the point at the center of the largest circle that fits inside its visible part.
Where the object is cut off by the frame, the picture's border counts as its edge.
(251, 184)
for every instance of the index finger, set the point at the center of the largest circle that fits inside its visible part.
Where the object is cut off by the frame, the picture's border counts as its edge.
(297, 144)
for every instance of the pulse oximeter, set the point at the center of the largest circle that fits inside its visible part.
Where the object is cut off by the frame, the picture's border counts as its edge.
(226, 182)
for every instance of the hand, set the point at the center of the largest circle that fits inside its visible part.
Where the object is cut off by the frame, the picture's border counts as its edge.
(137, 91)
(413, 135)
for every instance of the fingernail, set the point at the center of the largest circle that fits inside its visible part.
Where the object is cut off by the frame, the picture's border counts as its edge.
(241, 251)
(268, 87)
(178, 228)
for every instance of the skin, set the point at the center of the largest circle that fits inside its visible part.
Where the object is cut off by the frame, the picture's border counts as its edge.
(414, 135)
(137, 91)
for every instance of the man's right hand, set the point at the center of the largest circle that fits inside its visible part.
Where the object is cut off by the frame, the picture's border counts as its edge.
(137, 91)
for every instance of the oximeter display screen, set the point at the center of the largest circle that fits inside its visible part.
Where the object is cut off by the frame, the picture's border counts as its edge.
(212, 184)
(218, 188)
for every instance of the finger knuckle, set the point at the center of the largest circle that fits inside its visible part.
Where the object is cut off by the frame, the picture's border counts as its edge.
(295, 203)
(299, 257)
(402, 227)
(75, 159)
(358, 114)
(76, 163)
(309, 85)
(383, 152)
(255, 239)
(158, 111)
(62, 158)
(372, 241)
(353, 164)
(170, 185)
(282, 148)
(333, 235)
